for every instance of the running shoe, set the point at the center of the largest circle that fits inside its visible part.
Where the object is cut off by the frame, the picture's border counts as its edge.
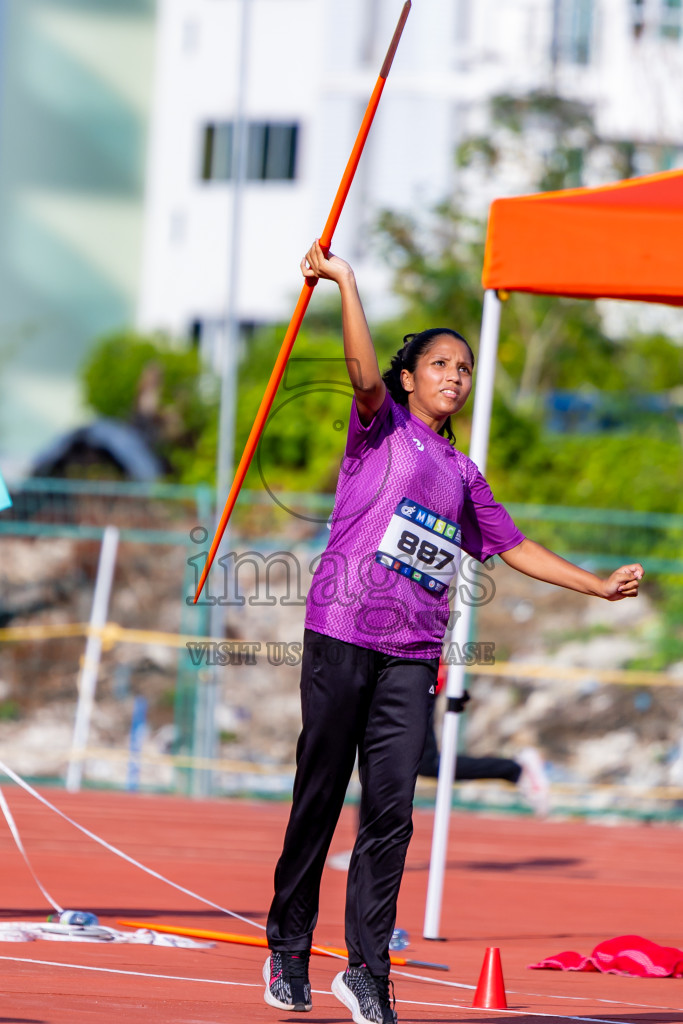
(369, 997)
(340, 861)
(287, 984)
(533, 782)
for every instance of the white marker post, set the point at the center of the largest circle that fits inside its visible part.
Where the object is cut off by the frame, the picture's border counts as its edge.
(91, 660)
(455, 683)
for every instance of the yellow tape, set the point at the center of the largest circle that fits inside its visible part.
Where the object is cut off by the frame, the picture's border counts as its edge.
(111, 634)
(573, 673)
(182, 761)
(250, 768)
(46, 632)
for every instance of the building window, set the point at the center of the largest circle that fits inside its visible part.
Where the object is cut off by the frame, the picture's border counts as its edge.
(573, 31)
(463, 17)
(637, 18)
(670, 19)
(271, 151)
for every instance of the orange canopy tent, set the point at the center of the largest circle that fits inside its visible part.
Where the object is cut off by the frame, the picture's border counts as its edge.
(621, 241)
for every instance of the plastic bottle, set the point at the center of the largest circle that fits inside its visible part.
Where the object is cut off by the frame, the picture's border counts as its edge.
(400, 939)
(81, 918)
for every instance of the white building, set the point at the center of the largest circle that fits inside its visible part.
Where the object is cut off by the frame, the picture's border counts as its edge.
(75, 82)
(82, 252)
(309, 68)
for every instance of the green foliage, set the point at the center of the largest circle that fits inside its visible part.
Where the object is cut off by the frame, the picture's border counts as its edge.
(196, 463)
(477, 149)
(113, 370)
(630, 471)
(10, 710)
(551, 344)
(566, 128)
(546, 344)
(560, 115)
(162, 387)
(303, 440)
(666, 647)
(436, 269)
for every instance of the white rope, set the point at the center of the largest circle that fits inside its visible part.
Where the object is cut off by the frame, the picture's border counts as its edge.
(217, 906)
(20, 846)
(113, 849)
(188, 892)
(131, 860)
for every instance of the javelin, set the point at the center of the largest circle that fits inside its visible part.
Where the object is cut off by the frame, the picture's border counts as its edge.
(255, 940)
(304, 298)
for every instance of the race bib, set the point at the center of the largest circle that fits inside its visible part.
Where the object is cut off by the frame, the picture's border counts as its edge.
(421, 545)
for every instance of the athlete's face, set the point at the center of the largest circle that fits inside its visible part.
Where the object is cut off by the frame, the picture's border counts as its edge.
(441, 382)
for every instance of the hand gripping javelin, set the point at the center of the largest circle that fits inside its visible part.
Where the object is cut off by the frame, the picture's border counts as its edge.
(304, 298)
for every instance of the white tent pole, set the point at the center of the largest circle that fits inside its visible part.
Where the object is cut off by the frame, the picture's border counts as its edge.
(91, 659)
(449, 746)
(486, 372)
(459, 635)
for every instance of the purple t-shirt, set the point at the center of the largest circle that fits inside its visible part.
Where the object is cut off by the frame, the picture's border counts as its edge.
(406, 502)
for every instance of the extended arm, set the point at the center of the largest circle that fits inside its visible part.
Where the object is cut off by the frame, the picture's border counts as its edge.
(361, 360)
(535, 560)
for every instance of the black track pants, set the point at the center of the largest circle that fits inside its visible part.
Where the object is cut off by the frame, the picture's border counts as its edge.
(352, 699)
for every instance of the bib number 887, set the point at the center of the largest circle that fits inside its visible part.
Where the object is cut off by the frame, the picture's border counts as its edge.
(426, 551)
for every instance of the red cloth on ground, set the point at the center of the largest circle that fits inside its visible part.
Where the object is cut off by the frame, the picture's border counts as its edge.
(631, 955)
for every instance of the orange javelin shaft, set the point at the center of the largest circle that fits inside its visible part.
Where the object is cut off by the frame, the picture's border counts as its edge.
(252, 940)
(304, 298)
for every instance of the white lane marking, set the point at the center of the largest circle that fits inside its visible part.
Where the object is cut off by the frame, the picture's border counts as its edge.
(520, 1013)
(537, 995)
(146, 974)
(325, 992)
(133, 974)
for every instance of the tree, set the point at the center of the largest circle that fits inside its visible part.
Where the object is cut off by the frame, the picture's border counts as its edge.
(547, 344)
(162, 388)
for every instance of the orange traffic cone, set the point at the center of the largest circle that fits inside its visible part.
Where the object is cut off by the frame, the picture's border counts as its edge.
(490, 994)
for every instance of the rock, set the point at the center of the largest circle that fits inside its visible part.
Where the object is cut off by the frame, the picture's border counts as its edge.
(585, 731)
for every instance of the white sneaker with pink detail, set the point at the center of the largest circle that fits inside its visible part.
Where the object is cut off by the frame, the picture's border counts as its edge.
(533, 782)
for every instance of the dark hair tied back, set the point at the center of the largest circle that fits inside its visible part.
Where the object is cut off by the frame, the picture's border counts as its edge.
(406, 359)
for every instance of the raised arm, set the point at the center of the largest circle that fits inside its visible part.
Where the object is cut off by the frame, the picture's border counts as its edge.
(535, 560)
(361, 360)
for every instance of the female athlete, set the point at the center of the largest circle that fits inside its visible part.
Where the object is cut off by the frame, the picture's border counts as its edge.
(407, 502)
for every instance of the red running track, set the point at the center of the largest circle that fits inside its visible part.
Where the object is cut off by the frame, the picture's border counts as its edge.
(532, 888)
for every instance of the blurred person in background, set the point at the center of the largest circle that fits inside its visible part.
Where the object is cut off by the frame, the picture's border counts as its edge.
(526, 771)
